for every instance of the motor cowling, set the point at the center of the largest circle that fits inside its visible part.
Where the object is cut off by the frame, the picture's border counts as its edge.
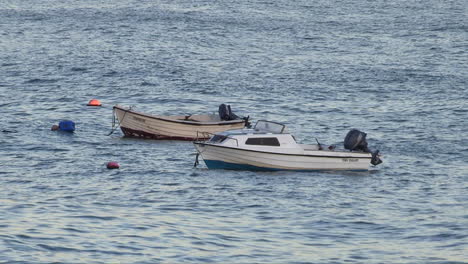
(355, 140)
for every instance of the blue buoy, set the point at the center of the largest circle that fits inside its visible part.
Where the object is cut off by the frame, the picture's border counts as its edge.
(67, 125)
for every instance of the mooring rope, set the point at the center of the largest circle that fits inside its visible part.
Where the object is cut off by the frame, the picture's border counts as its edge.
(120, 121)
(196, 157)
(196, 160)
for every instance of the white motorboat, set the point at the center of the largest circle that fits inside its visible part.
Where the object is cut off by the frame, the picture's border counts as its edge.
(178, 127)
(269, 146)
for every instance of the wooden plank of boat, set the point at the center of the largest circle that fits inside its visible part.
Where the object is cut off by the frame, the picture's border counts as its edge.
(179, 127)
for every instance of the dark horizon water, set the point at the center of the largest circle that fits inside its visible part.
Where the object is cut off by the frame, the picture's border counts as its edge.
(396, 70)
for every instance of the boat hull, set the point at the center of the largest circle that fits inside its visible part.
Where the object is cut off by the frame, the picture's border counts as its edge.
(222, 157)
(136, 124)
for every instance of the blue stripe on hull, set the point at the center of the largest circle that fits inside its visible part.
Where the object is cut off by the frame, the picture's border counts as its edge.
(217, 164)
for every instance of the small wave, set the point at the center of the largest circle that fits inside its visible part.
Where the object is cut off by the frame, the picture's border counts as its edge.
(21, 206)
(457, 244)
(7, 64)
(20, 181)
(23, 236)
(217, 244)
(364, 223)
(41, 187)
(228, 238)
(110, 74)
(78, 69)
(116, 253)
(171, 184)
(38, 80)
(147, 84)
(104, 218)
(36, 17)
(129, 248)
(437, 237)
(175, 208)
(358, 257)
(57, 248)
(255, 206)
(27, 237)
(74, 230)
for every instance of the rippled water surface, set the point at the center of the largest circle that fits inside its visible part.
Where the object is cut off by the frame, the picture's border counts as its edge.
(394, 69)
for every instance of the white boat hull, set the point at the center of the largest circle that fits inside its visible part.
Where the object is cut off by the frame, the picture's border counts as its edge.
(136, 124)
(222, 157)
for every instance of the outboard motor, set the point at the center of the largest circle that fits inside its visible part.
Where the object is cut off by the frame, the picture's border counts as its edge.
(356, 140)
(225, 113)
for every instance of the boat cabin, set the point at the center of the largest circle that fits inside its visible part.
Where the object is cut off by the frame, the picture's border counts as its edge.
(265, 135)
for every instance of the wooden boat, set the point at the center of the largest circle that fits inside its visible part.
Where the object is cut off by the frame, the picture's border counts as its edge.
(269, 147)
(178, 127)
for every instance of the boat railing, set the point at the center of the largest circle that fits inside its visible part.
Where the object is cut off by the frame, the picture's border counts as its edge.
(207, 135)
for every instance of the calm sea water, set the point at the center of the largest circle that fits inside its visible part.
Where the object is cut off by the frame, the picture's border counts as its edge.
(396, 70)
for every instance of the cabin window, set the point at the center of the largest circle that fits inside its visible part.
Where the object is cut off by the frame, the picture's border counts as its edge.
(270, 141)
(218, 138)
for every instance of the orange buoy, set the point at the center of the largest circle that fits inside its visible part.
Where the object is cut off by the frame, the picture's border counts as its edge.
(113, 165)
(94, 102)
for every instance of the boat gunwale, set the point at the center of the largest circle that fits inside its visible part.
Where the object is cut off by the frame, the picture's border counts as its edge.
(186, 122)
(202, 143)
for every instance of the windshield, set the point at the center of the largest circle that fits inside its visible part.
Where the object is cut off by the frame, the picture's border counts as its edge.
(268, 126)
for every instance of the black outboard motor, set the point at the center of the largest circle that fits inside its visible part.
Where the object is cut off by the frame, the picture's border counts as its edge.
(356, 140)
(225, 113)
